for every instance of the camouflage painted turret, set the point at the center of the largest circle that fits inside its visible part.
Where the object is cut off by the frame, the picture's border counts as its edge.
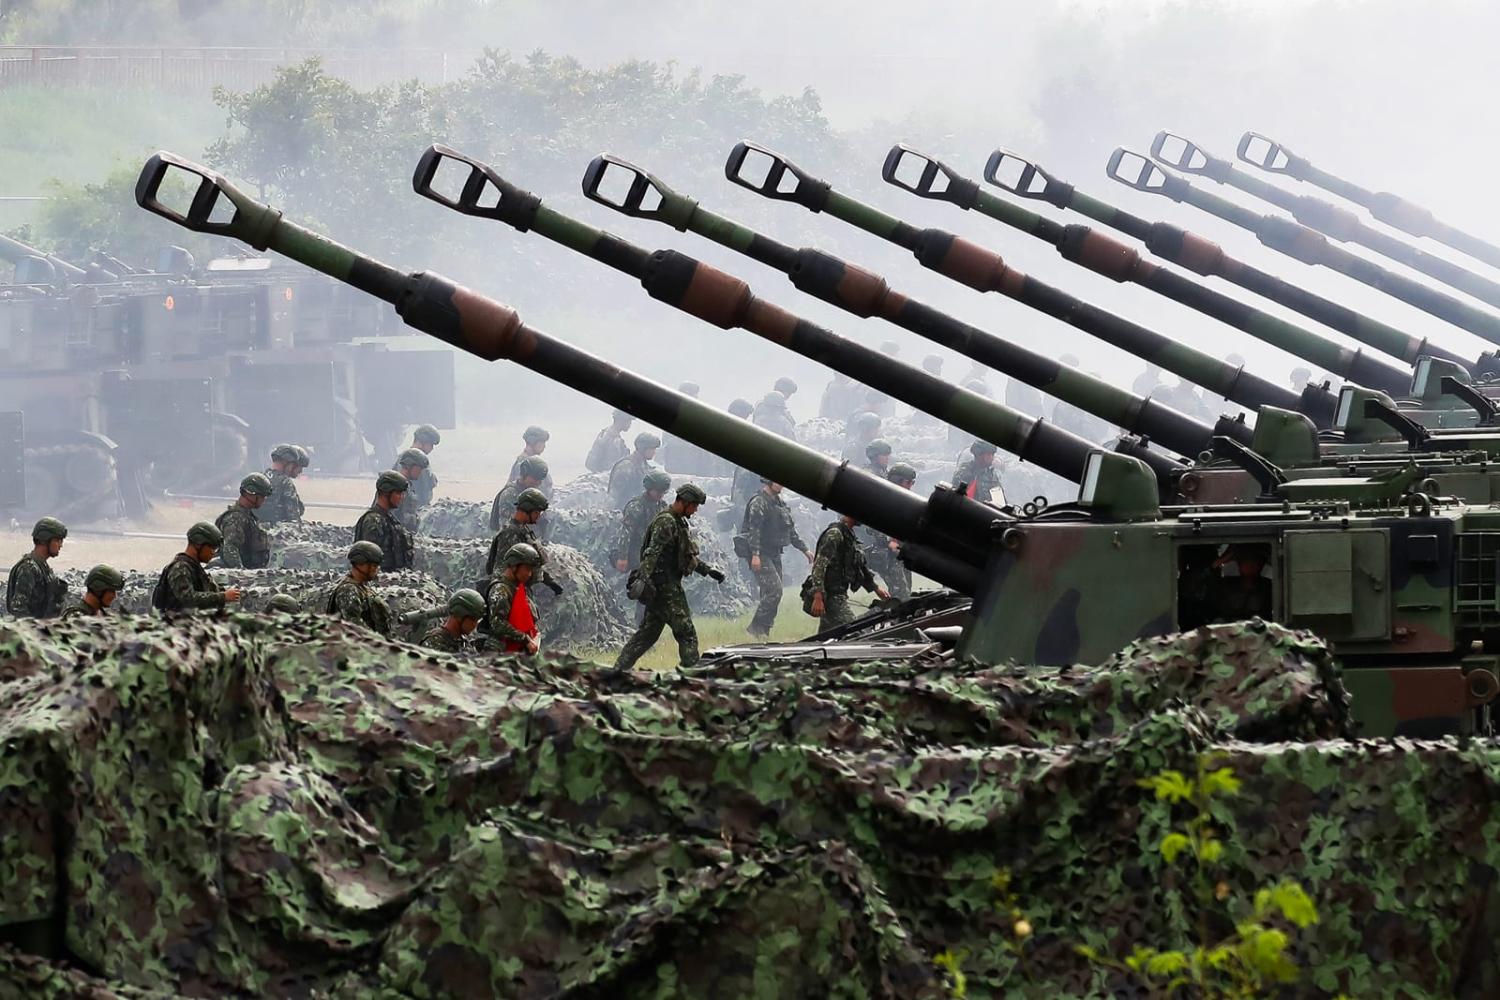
(928, 177)
(864, 294)
(773, 176)
(725, 301)
(1388, 208)
(947, 535)
(1288, 237)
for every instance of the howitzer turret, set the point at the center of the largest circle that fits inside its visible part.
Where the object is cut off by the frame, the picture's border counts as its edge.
(950, 528)
(773, 176)
(1386, 207)
(727, 302)
(864, 293)
(19, 253)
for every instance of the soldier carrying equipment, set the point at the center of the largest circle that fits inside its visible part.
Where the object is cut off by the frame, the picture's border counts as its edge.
(530, 506)
(512, 609)
(530, 473)
(536, 439)
(609, 444)
(353, 600)
(100, 588)
(978, 476)
(413, 464)
(284, 503)
(629, 470)
(32, 590)
(767, 529)
(638, 514)
(465, 611)
(667, 555)
(184, 585)
(379, 525)
(838, 568)
(246, 543)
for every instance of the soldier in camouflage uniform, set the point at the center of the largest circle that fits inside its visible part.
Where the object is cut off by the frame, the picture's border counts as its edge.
(184, 585)
(353, 600)
(628, 471)
(536, 439)
(977, 474)
(786, 387)
(771, 414)
(465, 611)
(521, 529)
(513, 620)
(100, 588)
(284, 604)
(32, 590)
(745, 483)
(881, 550)
(413, 464)
(530, 474)
(424, 439)
(864, 429)
(609, 444)
(768, 529)
(878, 457)
(379, 525)
(246, 543)
(667, 555)
(284, 504)
(838, 568)
(625, 551)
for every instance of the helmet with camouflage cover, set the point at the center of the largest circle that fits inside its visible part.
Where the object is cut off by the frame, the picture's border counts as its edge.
(982, 448)
(285, 453)
(691, 493)
(46, 529)
(535, 434)
(103, 578)
(901, 473)
(285, 603)
(365, 552)
(413, 456)
(656, 480)
(256, 484)
(522, 554)
(621, 417)
(876, 448)
(204, 533)
(304, 457)
(773, 399)
(864, 420)
(933, 364)
(531, 500)
(391, 482)
(466, 603)
(785, 386)
(741, 408)
(426, 434)
(645, 441)
(532, 467)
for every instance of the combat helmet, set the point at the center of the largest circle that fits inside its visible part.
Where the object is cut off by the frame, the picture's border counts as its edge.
(46, 529)
(785, 386)
(901, 473)
(691, 493)
(522, 554)
(413, 456)
(741, 408)
(532, 467)
(426, 434)
(285, 453)
(284, 603)
(391, 482)
(645, 441)
(204, 533)
(466, 603)
(876, 448)
(535, 434)
(531, 500)
(103, 578)
(366, 552)
(256, 484)
(656, 479)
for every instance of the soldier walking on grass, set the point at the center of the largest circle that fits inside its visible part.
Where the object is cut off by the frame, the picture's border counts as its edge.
(767, 530)
(379, 526)
(32, 590)
(668, 554)
(838, 568)
(184, 585)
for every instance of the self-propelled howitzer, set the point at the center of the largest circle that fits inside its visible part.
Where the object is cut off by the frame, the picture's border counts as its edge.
(947, 535)
(774, 176)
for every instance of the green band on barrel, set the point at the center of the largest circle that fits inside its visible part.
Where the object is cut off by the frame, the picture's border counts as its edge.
(871, 220)
(569, 232)
(986, 419)
(318, 252)
(1093, 208)
(721, 230)
(1294, 340)
(1006, 211)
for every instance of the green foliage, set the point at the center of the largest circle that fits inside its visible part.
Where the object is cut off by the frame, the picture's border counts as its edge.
(79, 218)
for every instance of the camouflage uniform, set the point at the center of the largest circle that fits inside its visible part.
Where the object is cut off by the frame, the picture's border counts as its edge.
(505, 500)
(631, 531)
(625, 478)
(514, 533)
(881, 560)
(502, 595)
(33, 590)
(246, 543)
(356, 602)
(184, 585)
(607, 449)
(985, 480)
(515, 473)
(284, 503)
(768, 529)
(667, 555)
(378, 526)
(838, 568)
(773, 416)
(81, 611)
(442, 640)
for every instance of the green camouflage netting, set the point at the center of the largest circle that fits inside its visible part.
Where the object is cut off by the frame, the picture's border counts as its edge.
(449, 518)
(285, 807)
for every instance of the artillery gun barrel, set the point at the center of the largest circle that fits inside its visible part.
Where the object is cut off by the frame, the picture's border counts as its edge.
(14, 250)
(984, 270)
(1025, 179)
(1301, 243)
(727, 302)
(928, 177)
(210, 498)
(493, 331)
(864, 294)
(1388, 208)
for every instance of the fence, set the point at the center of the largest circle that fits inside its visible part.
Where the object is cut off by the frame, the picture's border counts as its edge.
(195, 70)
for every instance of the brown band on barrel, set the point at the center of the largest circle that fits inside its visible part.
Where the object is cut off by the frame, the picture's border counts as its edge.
(1200, 255)
(892, 304)
(715, 296)
(862, 292)
(764, 319)
(488, 328)
(1404, 215)
(1309, 245)
(973, 265)
(1011, 283)
(1106, 255)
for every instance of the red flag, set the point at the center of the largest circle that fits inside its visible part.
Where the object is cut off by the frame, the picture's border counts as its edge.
(973, 485)
(521, 619)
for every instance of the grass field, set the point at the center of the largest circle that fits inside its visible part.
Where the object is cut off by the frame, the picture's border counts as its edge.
(791, 624)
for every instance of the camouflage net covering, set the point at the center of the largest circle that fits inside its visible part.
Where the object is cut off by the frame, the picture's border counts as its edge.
(281, 807)
(310, 531)
(449, 518)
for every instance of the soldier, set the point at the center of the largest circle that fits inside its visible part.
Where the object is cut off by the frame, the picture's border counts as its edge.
(768, 529)
(977, 474)
(284, 604)
(512, 610)
(379, 526)
(874, 400)
(413, 464)
(743, 482)
(882, 552)
(536, 439)
(667, 555)
(786, 387)
(841, 397)
(246, 543)
(184, 585)
(32, 590)
(465, 612)
(638, 514)
(863, 429)
(678, 455)
(1147, 381)
(609, 444)
(100, 588)
(1025, 398)
(878, 454)
(629, 470)
(284, 504)
(520, 529)
(957, 435)
(771, 413)
(531, 472)
(838, 568)
(1300, 377)
(353, 600)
